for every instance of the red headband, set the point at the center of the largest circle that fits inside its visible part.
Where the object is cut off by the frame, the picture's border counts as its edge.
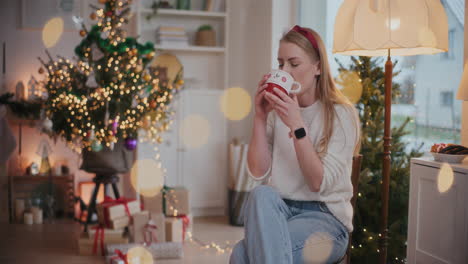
(307, 35)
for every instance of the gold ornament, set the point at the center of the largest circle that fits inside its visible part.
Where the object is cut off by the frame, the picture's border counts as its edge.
(147, 77)
(146, 122)
(139, 68)
(82, 33)
(102, 1)
(153, 104)
(150, 55)
(93, 16)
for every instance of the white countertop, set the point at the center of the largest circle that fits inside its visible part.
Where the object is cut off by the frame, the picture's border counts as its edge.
(429, 161)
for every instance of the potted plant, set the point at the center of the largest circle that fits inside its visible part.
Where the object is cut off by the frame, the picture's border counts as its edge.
(205, 36)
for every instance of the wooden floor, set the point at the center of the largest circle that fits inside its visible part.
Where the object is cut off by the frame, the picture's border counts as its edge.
(56, 243)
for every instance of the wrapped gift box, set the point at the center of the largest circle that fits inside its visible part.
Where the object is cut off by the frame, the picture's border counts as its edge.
(114, 259)
(111, 210)
(174, 227)
(85, 246)
(137, 230)
(86, 242)
(153, 204)
(164, 250)
(119, 222)
(189, 228)
(160, 221)
(177, 201)
(110, 235)
(140, 228)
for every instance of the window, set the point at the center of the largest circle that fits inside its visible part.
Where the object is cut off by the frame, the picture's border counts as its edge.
(446, 98)
(421, 78)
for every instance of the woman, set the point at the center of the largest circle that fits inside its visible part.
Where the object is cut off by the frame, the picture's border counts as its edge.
(303, 146)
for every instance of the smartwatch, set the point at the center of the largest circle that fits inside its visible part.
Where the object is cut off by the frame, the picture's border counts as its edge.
(299, 133)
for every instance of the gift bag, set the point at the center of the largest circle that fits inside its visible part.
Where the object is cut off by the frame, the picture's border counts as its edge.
(240, 184)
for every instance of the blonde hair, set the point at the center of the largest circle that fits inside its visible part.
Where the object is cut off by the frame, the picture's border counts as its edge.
(326, 91)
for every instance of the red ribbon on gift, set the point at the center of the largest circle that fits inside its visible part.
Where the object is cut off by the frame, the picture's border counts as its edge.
(120, 255)
(150, 229)
(109, 202)
(99, 235)
(185, 224)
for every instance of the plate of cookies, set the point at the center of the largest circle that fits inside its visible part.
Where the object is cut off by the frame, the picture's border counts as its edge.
(450, 153)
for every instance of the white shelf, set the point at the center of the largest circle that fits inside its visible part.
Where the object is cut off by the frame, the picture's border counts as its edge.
(193, 13)
(191, 48)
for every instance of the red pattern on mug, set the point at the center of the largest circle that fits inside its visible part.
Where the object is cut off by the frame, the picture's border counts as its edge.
(283, 81)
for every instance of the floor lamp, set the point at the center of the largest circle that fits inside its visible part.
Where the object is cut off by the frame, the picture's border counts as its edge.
(463, 95)
(463, 88)
(384, 28)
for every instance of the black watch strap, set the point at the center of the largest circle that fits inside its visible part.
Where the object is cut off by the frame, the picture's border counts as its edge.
(299, 133)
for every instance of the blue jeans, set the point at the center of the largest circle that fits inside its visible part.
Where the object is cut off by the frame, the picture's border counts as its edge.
(276, 231)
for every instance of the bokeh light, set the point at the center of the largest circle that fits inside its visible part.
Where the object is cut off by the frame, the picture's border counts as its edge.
(194, 131)
(147, 177)
(236, 103)
(52, 32)
(351, 85)
(445, 178)
(139, 255)
(394, 23)
(317, 248)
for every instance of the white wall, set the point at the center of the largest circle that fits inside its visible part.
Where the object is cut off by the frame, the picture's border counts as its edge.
(282, 20)
(249, 53)
(255, 27)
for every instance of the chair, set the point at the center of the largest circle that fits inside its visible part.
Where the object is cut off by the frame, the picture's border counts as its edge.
(355, 173)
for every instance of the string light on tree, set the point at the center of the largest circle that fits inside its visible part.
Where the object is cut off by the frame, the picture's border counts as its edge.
(110, 88)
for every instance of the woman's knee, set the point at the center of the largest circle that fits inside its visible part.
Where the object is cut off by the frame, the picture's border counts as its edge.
(322, 248)
(263, 192)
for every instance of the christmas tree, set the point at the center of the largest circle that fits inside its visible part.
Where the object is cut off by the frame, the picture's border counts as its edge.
(365, 238)
(111, 90)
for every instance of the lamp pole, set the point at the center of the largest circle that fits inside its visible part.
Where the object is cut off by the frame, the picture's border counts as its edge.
(386, 160)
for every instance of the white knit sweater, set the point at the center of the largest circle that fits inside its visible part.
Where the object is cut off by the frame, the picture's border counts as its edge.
(285, 174)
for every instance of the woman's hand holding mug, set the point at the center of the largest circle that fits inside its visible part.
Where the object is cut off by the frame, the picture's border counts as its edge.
(262, 106)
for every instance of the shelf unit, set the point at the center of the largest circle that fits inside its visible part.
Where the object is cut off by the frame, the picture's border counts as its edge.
(214, 71)
(206, 74)
(23, 186)
(190, 48)
(176, 12)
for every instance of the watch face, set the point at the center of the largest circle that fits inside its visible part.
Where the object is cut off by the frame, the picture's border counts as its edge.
(300, 133)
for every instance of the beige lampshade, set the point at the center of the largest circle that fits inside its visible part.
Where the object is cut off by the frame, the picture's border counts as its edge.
(463, 88)
(407, 27)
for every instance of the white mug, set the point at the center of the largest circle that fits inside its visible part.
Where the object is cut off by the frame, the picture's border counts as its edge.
(283, 81)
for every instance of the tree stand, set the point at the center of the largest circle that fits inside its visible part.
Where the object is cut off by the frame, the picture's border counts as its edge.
(103, 179)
